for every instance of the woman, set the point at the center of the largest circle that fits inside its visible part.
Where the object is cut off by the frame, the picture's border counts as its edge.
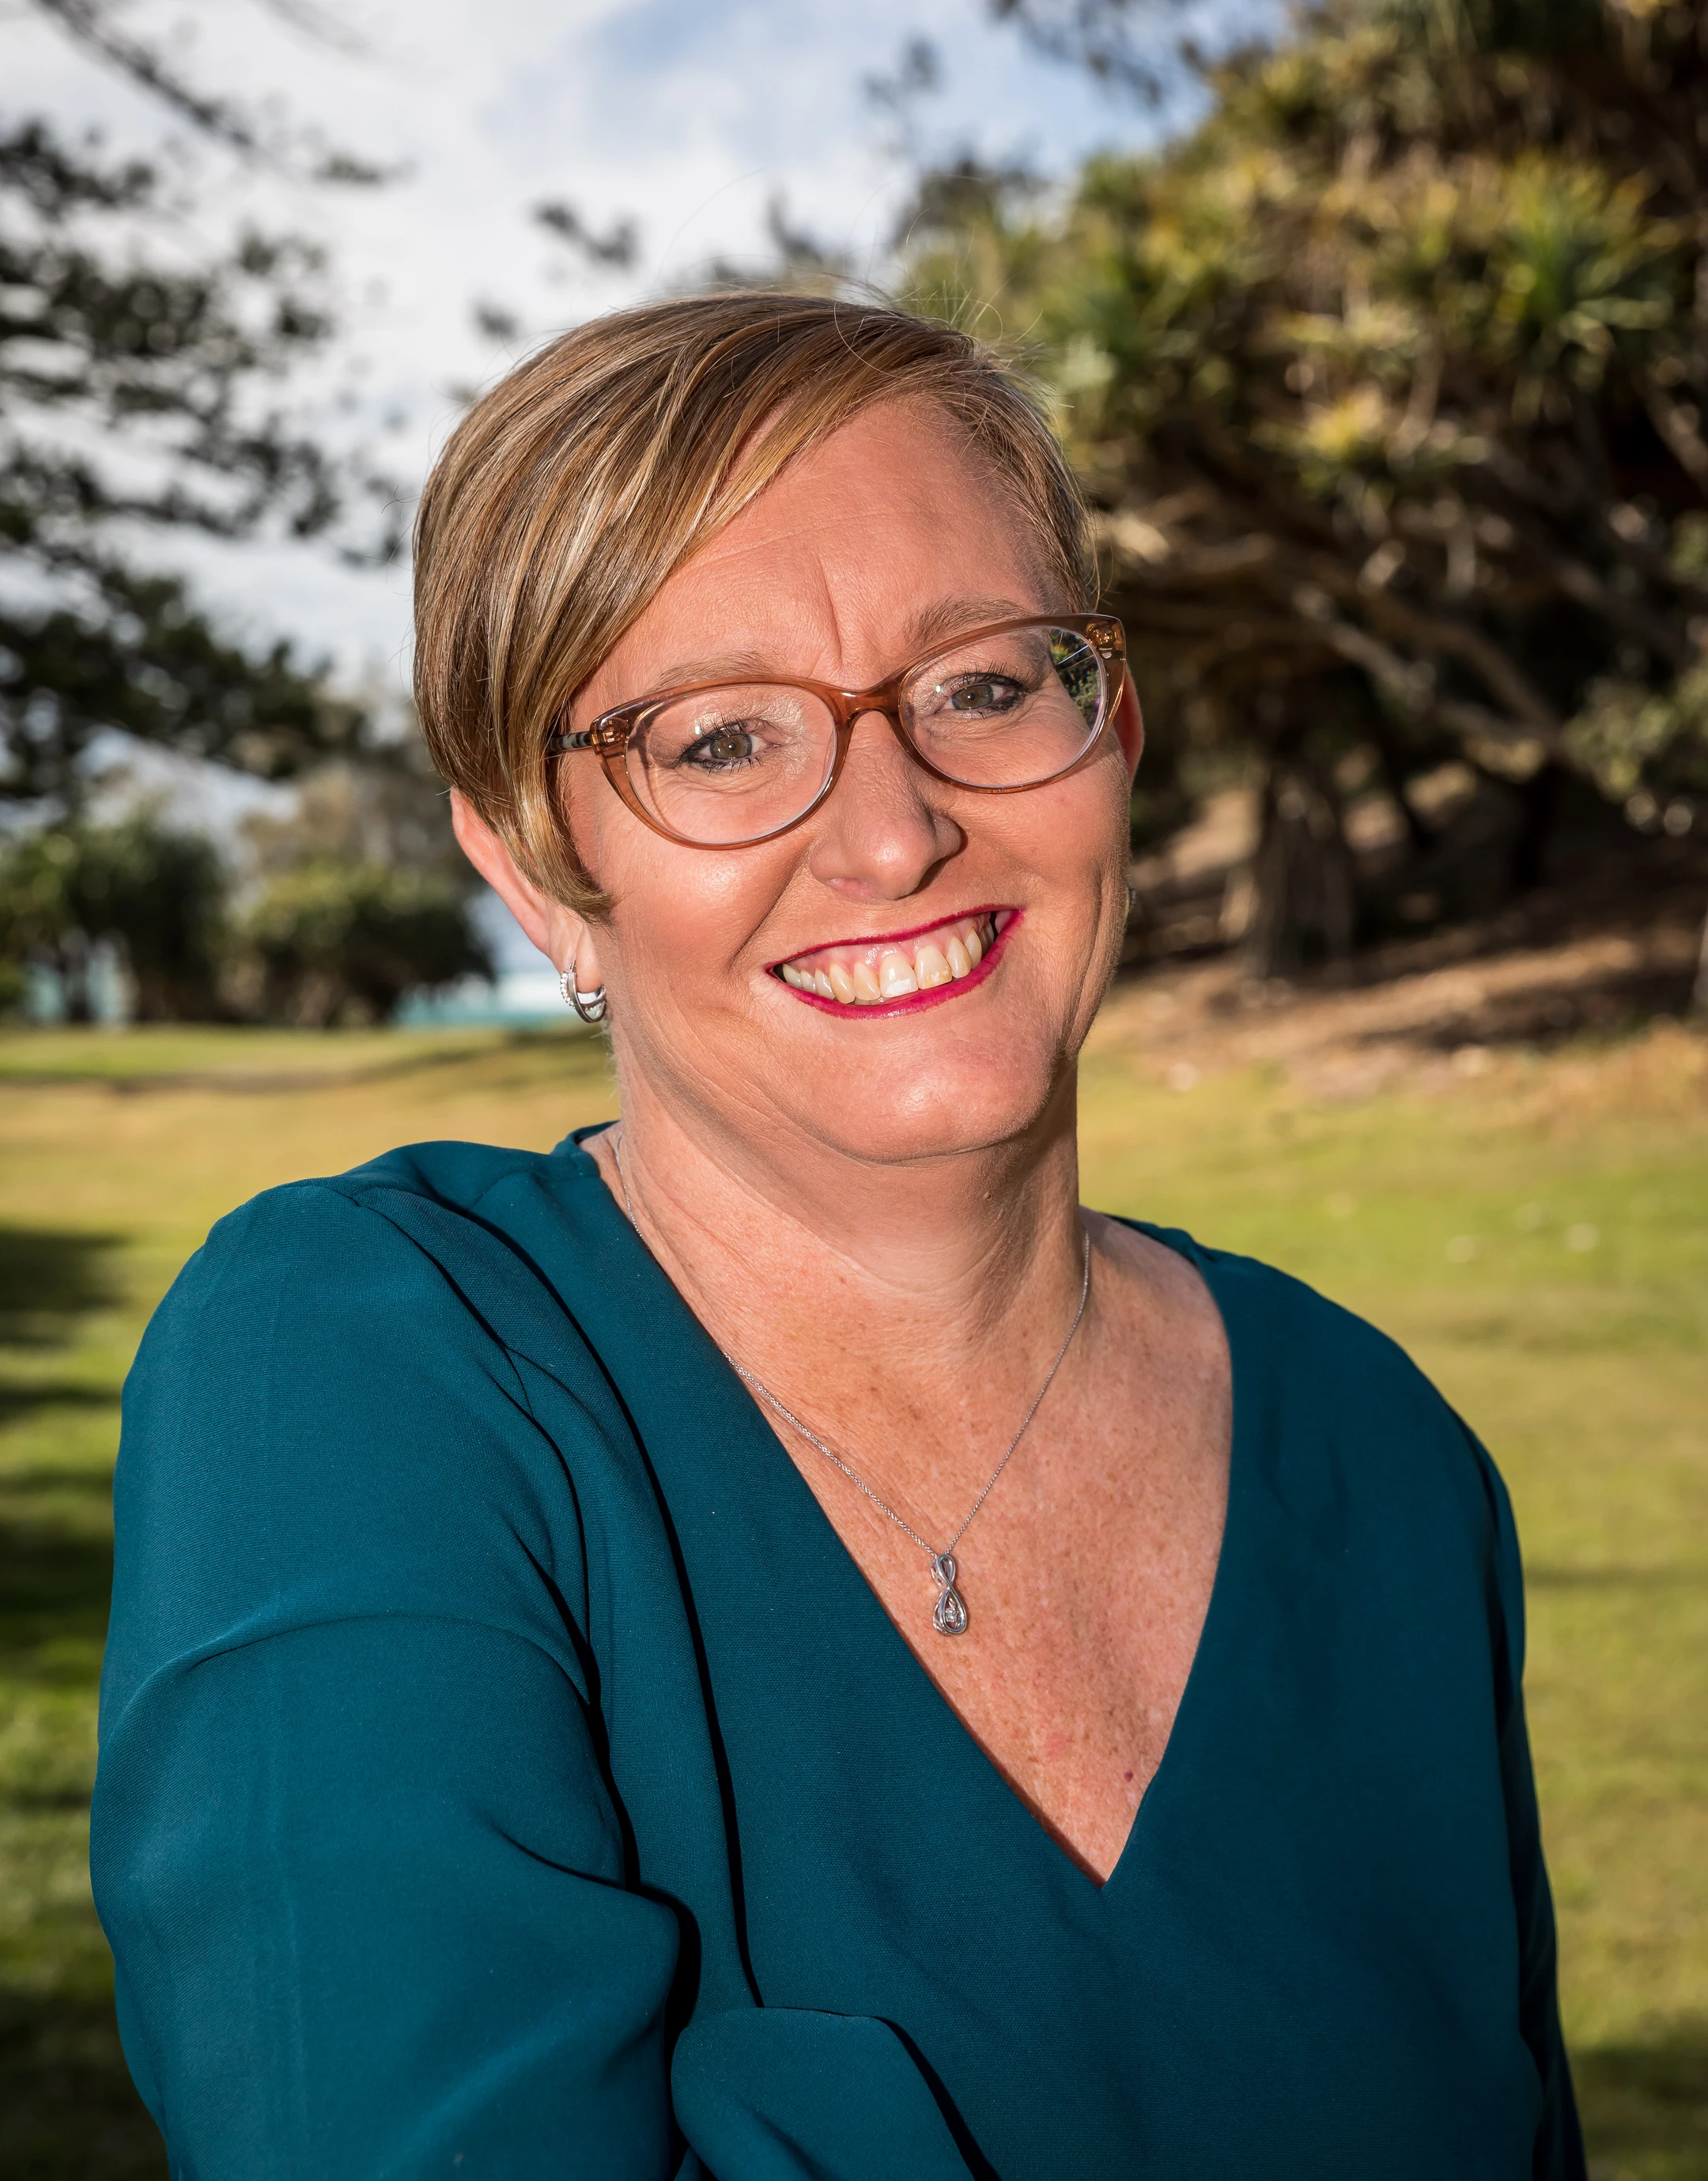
(769, 1642)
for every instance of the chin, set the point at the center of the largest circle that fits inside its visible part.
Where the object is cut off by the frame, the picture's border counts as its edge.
(900, 1111)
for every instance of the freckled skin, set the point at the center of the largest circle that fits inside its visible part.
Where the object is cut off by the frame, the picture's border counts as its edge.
(880, 1217)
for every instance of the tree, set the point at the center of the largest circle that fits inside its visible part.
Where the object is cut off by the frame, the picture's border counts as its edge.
(390, 809)
(114, 338)
(1388, 381)
(139, 399)
(155, 891)
(337, 943)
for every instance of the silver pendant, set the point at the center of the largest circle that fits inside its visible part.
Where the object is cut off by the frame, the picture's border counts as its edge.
(949, 1614)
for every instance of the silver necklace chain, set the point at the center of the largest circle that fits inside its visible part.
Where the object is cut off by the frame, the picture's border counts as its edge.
(950, 1617)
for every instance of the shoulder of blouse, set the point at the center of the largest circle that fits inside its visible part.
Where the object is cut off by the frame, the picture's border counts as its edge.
(363, 1394)
(1348, 1414)
(459, 1218)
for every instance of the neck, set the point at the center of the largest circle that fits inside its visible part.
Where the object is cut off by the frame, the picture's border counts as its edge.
(935, 1291)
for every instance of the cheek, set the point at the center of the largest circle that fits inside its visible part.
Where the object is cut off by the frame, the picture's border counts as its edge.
(681, 920)
(1074, 836)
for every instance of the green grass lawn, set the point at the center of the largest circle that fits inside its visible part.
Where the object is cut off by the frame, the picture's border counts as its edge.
(1538, 1236)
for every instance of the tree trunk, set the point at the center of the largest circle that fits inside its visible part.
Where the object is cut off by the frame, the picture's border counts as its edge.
(72, 966)
(1304, 889)
(1699, 996)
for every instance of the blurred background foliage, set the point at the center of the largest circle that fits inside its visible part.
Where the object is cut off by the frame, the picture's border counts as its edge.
(141, 397)
(1387, 381)
(65, 888)
(343, 913)
(145, 396)
(1388, 385)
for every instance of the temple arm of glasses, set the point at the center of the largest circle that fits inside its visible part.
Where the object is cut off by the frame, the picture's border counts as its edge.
(578, 738)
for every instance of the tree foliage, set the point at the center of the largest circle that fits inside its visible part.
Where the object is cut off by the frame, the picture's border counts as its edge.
(339, 942)
(1123, 44)
(155, 891)
(1388, 383)
(327, 934)
(134, 405)
(144, 384)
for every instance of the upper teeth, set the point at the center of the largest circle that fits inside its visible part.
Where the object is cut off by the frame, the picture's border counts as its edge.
(891, 969)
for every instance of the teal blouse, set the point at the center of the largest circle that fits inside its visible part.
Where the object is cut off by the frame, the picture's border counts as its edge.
(506, 1772)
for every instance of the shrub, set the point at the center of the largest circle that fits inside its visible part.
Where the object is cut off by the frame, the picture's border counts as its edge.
(333, 942)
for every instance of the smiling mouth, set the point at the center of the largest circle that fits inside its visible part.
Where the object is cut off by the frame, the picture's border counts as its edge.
(937, 962)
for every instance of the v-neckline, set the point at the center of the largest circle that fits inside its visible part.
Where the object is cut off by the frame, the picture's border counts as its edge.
(807, 1512)
(1192, 1701)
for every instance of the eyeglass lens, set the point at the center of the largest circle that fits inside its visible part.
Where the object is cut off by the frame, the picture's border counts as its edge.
(743, 760)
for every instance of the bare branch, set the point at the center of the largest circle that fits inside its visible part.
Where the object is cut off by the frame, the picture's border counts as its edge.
(320, 24)
(1105, 38)
(90, 23)
(1442, 632)
(617, 248)
(1678, 425)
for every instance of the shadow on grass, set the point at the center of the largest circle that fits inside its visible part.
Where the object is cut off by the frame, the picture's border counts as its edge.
(22, 1398)
(1545, 1576)
(54, 1582)
(1645, 2105)
(49, 1277)
(68, 2109)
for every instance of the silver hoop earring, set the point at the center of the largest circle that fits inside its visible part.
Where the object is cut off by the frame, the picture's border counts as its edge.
(591, 1006)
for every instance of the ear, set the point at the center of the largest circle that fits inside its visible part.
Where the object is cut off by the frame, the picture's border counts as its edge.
(1129, 724)
(558, 932)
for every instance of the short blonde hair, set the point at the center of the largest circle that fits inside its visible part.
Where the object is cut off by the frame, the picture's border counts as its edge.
(570, 494)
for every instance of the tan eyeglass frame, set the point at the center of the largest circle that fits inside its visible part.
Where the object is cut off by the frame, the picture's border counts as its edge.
(608, 736)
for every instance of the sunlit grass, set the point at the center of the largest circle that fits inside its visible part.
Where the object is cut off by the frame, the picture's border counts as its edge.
(1538, 1236)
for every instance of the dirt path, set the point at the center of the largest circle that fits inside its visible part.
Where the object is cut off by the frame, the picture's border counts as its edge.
(1428, 1011)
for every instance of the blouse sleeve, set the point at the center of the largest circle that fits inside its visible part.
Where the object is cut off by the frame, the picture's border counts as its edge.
(1559, 2147)
(354, 1847)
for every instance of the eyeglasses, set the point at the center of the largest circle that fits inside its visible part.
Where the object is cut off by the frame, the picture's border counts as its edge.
(725, 764)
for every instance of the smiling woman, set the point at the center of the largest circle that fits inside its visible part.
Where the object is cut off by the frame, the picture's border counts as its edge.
(770, 1642)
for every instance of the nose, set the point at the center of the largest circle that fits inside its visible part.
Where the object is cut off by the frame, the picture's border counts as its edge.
(882, 833)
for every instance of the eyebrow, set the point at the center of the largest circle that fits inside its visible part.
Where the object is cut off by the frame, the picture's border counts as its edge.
(950, 616)
(944, 618)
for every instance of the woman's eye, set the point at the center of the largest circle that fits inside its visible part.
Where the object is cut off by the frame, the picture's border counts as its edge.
(985, 692)
(722, 748)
